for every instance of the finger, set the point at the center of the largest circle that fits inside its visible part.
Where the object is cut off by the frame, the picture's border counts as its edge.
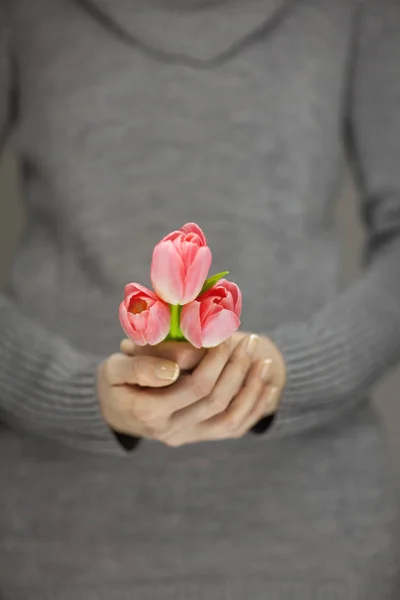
(266, 405)
(255, 401)
(153, 407)
(140, 370)
(247, 407)
(244, 402)
(226, 424)
(278, 379)
(229, 384)
(183, 353)
(219, 427)
(191, 388)
(127, 347)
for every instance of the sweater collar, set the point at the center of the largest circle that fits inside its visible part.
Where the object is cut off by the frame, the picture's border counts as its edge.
(197, 30)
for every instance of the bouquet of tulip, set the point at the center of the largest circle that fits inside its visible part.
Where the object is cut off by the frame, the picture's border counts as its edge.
(185, 304)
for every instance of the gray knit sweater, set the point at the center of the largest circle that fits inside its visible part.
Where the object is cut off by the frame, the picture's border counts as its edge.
(131, 117)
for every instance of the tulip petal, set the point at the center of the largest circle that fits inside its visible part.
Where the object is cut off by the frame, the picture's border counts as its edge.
(134, 288)
(167, 273)
(138, 338)
(239, 302)
(194, 228)
(196, 274)
(123, 318)
(208, 307)
(126, 325)
(140, 320)
(188, 254)
(219, 328)
(235, 293)
(172, 236)
(158, 324)
(190, 323)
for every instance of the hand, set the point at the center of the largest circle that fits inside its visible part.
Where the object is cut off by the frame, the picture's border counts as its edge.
(129, 388)
(249, 388)
(119, 381)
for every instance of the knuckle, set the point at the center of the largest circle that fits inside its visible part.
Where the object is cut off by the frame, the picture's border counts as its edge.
(239, 433)
(164, 429)
(201, 386)
(217, 402)
(157, 430)
(232, 422)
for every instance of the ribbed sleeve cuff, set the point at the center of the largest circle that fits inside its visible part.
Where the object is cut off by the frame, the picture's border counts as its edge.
(48, 388)
(333, 360)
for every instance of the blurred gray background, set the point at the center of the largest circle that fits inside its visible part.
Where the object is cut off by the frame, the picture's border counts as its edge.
(387, 394)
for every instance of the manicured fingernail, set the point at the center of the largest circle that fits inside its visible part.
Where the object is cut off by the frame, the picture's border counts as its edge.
(167, 371)
(266, 369)
(252, 344)
(272, 399)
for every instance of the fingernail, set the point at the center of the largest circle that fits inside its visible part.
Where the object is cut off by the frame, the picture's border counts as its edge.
(252, 344)
(266, 369)
(168, 371)
(272, 399)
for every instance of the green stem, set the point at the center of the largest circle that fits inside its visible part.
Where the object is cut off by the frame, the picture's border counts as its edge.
(175, 332)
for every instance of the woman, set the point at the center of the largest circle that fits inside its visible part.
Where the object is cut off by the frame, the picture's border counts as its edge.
(130, 119)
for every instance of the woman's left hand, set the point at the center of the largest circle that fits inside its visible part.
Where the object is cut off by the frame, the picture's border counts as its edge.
(248, 389)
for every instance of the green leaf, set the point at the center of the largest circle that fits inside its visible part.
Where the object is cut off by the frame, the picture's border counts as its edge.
(211, 281)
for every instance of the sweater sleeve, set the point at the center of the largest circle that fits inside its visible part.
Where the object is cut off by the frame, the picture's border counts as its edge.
(334, 358)
(46, 387)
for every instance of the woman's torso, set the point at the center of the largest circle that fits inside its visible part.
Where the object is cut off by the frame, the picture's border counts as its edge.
(119, 148)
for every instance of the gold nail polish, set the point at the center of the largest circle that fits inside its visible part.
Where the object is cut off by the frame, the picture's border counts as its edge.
(168, 371)
(266, 369)
(252, 344)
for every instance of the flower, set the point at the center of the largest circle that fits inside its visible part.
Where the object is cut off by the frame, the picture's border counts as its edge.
(214, 316)
(180, 265)
(143, 316)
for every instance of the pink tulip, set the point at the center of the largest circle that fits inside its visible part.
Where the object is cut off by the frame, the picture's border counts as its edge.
(180, 265)
(143, 316)
(214, 316)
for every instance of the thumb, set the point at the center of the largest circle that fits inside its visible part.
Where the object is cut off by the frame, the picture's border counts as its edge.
(183, 353)
(148, 371)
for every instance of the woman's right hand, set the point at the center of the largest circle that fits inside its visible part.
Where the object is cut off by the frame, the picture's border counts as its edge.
(121, 384)
(125, 379)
